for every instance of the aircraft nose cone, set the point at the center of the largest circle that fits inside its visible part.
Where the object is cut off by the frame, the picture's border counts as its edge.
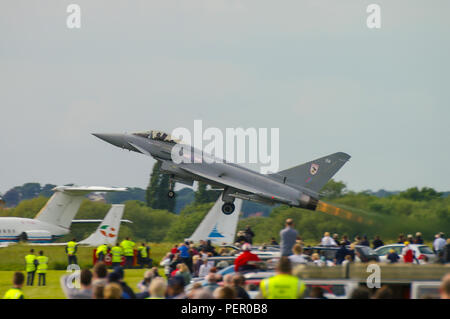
(114, 139)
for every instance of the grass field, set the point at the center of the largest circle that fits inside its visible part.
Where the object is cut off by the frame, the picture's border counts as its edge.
(13, 257)
(53, 289)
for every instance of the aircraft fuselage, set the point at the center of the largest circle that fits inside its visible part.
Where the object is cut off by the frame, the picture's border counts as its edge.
(12, 228)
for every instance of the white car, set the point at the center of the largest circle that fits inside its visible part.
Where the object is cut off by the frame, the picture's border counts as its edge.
(268, 252)
(420, 252)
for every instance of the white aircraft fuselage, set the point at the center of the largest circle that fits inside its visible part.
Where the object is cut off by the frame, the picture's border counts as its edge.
(12, 228)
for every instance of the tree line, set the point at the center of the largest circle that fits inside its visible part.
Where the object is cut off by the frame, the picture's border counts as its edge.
(412, 210)
(158, 218)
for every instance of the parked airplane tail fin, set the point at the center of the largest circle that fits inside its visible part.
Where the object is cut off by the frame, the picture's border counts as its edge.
(108, 231)
(62, 207)
(218, 227)
(315, 174)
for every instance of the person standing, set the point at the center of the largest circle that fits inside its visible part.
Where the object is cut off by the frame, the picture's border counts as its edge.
(71, 250)
(446, 252)
(393, 257)
(143, 255)
(419, 239)
(410, 238)
(335, 238)
(101, 252)
(408, 254)
(345, 240)
(327, 240)
(16, 291)
(365, 241)
(116, 253)
(438, 244)
(288, 237)
(210, 248)
(249, 234)
(196, 263)
(186, 258)
(377, 242)
(283, 285)
(183, 271)
(174, 249)
(128, 251)
(243, 261)
(42, 268)
(31, 262)
(165, 262)
(341, 253)
(204, 268)
(241, 239)
(297, 258)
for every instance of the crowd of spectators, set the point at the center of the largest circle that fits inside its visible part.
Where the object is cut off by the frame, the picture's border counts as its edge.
(187, 261)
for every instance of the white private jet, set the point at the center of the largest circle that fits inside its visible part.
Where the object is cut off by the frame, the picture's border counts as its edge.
(54, 219)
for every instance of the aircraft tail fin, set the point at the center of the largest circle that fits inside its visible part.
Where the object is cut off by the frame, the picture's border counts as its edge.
(62, 207)
(315, 174)
(108, 230)
(218, 227)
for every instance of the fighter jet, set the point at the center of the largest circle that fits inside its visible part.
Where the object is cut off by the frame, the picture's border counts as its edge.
(298, 186)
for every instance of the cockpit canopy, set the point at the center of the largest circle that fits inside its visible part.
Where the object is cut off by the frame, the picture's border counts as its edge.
(158, 136)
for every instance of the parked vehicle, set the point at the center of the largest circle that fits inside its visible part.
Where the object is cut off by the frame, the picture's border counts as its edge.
(362, 253)
(423, 253)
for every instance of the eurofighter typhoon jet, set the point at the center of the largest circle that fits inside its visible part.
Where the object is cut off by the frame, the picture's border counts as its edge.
(298, 186)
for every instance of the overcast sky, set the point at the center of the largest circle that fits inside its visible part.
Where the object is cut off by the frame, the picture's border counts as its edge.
(311, 68)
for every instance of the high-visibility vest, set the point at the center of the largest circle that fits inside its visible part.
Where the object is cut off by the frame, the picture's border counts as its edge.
(71, 245)
(101, 249)
(116, 253)
(14, 293)
(282, 286)
(29, 260)
(127, 246)
(143, 251)
(42, 264)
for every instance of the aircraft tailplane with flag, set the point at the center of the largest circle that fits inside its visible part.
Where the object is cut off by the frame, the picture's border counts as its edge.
(108, 231)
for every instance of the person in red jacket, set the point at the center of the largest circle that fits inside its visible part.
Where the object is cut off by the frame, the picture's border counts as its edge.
(174, 249)
(241, 262)
(408, 254)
